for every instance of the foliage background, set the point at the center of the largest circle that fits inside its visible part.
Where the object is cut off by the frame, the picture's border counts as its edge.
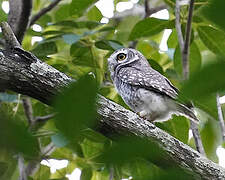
(76, 43)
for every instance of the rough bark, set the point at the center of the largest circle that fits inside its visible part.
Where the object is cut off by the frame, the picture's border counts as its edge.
(41, 81)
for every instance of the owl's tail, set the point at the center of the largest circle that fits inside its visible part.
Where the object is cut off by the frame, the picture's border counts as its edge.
(188, 112)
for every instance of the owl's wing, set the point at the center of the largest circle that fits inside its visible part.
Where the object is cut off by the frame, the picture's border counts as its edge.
(149, 79)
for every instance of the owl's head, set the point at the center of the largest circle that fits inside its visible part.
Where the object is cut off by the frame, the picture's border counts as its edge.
(126, 57)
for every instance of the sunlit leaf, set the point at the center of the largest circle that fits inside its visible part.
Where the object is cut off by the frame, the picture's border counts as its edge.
(213, 39)
(86, 174)
(77, 7)
(211, 139)
(178, 127)
(62, 12)
(94, 14)
(42, 173)
(149, 27)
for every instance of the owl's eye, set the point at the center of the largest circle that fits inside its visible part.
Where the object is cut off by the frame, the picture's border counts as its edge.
(121, 56)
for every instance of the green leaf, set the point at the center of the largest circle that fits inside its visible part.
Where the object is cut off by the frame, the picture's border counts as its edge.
(213, 39)
(211, 139)
(43, 173)
(15, 136)
(155, 66)
(205, 82)
(86, 174)
(127, 148)
(71, 38)
(94, 14)
(45, 48)
(172, 40)
(214, 11)
(3, 15)
(108, 45)
(77, 7)
(3, 168)
(194, 59)
(177, 126)
(62, 12)
(83, 55)
(91, 149)
(62, 153)
(143, 170)
(44, 20)
(76, 107)
(149, 27)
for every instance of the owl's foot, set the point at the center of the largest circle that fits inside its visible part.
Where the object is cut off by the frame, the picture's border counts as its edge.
(143, 114)
(146, 116)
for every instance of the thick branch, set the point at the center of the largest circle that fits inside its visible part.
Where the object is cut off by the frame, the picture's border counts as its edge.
(18, 18)
(43, 12)
(43, 82)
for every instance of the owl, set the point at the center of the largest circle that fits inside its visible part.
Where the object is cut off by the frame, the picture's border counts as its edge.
(143, 89)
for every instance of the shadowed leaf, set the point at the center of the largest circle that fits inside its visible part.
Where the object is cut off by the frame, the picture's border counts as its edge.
(76, 107)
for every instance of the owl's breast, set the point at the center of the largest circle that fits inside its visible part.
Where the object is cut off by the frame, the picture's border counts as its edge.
(129, 93)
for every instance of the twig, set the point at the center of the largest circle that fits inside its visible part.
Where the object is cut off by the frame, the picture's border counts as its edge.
(21, 166)
(186, 45)
(111, 173)
(43, 12)
(220, 116)
(184, 48)
(28, 110)
(178, 26)
(147, 9)
(156, 9)
(47, 150)
(9, 37)
(39, 119)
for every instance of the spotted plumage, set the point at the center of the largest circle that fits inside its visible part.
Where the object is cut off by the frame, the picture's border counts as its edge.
(143, 89)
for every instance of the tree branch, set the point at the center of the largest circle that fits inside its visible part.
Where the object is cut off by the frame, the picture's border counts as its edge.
(39, 119)
(42, 82)
(184, 48)
(28, 110)
(43, 12)
(21, 165)
(147, 9)
(178, 25)
(18, 17)
(186, 45)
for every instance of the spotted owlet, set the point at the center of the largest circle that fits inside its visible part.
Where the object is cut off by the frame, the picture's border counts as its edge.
(144, 90)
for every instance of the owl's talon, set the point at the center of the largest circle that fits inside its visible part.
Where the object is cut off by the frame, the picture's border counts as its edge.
(142, 114)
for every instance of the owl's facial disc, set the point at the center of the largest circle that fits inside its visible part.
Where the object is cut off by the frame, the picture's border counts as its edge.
(122, 57)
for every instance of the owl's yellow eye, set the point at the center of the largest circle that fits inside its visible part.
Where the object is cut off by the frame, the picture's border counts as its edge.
(121, 56)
